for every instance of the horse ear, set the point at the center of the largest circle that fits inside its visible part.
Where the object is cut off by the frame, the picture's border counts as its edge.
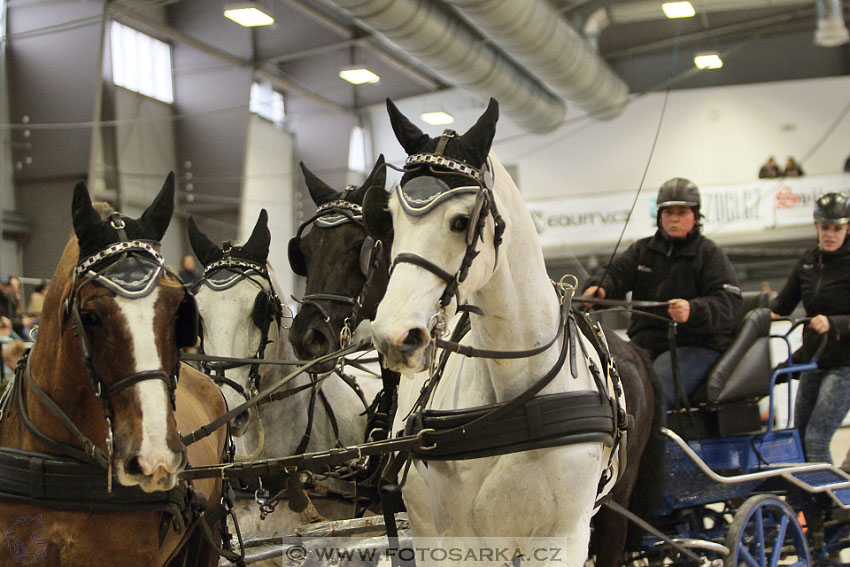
(320, 191)
(376, 214)
(479, 137)
(378, 178)
(258, 244)
(202, 246)
(158, 215)
(408, 134)
(84, 216)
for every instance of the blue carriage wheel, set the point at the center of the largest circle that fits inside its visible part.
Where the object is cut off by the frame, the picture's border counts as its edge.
(765, 533)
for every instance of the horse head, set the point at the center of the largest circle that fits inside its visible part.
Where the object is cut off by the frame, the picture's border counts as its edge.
(443, 216)
(346, 269)
(240, 311)
(116, 310)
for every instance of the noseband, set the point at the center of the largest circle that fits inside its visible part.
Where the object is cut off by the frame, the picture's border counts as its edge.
(329, 215)
(222, 275)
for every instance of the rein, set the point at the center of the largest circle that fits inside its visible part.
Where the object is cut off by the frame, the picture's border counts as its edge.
(270, 391)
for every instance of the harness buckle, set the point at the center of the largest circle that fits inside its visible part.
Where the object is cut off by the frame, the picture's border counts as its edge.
(345, 334)
(109, 451)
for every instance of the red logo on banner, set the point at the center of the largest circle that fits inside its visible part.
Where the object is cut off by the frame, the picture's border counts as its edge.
(785, 199)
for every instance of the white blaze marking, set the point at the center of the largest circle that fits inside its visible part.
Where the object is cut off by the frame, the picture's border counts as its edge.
(152, 394)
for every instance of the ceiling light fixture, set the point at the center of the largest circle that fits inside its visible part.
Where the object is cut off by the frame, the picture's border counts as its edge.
(438, 118)
(708, 60)
(248, 14)
(359, 75)
(678, 9)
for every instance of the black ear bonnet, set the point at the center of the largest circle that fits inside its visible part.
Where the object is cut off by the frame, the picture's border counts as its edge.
(122, 254)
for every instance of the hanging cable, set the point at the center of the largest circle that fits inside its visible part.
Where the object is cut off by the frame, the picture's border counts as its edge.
(673, 62)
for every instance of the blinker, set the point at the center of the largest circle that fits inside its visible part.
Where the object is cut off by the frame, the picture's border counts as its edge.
(421, 195)
(131, 276)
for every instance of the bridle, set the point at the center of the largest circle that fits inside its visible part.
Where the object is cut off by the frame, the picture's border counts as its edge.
(328, 215)
(484, 205)
(267, 309)
(132, 269)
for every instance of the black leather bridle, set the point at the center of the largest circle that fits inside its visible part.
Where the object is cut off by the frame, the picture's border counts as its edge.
(264, 313)
(484, 205)
(111, 268)
(341, 211)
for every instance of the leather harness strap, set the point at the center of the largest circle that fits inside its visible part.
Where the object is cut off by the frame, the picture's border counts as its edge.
(66, 483)
(543, 421)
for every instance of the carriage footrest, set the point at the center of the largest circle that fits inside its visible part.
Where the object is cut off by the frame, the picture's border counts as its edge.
(819, 480)
(831, 480)
(842, 496)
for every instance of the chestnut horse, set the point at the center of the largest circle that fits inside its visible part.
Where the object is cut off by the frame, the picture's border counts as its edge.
(89, 438)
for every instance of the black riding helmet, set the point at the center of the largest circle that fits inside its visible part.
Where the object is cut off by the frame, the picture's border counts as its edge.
(678, 191)
(833, 208)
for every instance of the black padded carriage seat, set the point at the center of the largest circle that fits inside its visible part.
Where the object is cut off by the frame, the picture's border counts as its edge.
(727, 401)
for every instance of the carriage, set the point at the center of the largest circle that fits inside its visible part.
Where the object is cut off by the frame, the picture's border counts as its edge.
(730, 488)
(733, 485)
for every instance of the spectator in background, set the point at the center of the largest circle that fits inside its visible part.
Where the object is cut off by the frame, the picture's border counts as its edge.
(187, 270)
(11, 307)
(770, 170)
(847, 165)
(792, 168)
(36, 301)
(12, 352)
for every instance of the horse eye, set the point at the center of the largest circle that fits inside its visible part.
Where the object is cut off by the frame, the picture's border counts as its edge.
(459, 223)
(90, 319)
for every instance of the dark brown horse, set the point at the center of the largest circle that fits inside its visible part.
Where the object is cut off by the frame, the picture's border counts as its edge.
(334, 253)
(89, 434)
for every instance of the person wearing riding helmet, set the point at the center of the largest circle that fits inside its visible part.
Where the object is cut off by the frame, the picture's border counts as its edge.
(692, 276)
(821, 280)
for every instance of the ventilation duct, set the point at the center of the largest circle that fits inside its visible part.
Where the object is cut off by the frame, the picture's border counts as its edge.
(452, 50)
(533, 33)
(831, 28)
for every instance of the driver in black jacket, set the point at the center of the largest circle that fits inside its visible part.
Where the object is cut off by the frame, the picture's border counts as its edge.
(688, 271)
(821, 280)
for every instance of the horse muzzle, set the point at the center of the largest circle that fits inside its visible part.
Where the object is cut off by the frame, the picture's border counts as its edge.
(153, 471)
(410, 351)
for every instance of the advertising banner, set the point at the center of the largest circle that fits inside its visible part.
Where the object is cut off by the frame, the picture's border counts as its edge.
(755, 207)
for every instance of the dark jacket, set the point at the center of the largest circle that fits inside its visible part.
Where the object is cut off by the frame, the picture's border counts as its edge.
(658, 268)
(822, 281)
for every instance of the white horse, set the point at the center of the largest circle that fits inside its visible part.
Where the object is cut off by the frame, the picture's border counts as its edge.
(241, 317)
(547, 492)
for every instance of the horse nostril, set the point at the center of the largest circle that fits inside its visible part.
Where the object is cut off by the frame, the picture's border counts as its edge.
(315, 341)
(414, 339)
(133, 467)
